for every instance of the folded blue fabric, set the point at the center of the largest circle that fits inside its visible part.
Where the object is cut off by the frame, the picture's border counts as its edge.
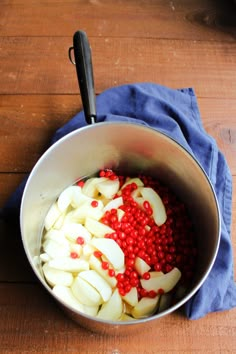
(174, 112)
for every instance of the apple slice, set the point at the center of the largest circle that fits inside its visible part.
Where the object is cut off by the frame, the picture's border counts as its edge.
(131, 297)
(135, 180)
(87, 250)
(65, 294)
(114, 204)
(125, 317)
(111, 251)
(96, 264)
(85, 210)
(159, 211)
(90, 186)
(64, 199)
(44, 257)
(112, 309)
(58, 236)
(97, 228)
(85, 292)
(98, 282)
(73, 230)
(120, 214)
(57, 277)
(166, 282)
(145, 307)
(141, 266)
(69, 264)
(55, 249)
(52, 215)
(108, 188)
(155, 274)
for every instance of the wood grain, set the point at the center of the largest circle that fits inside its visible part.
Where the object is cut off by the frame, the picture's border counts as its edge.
(184, 43)
(136, 19)
(45, 68)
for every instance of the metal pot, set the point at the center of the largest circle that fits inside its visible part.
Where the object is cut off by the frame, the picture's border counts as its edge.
(98, 146)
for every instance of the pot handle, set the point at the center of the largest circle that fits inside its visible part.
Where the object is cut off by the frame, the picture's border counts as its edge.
(84, 69)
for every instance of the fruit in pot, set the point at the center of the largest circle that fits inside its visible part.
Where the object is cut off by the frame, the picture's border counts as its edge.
(159, 212)
(112, 309)
(166, 282)
(145, 307)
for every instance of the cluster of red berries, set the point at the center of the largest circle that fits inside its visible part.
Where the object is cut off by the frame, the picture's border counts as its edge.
(161, 247)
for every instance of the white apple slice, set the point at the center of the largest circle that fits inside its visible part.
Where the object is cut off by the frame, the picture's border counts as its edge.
(108, 188)
(145, 307)
(85, 210)
(98, 282)
(141, 266)
(57, 277)
(125, 317)
(65, 294)
(111, 250)
(64, 199)
(87, 250)
(74, 247)
(58, 236)
(165, 302)
(112, 309)
(85, 292)
(97, 228)
(60, 221)
(131, 297)
(166, 282)
(55, 249)
(96, 265)
(52, 215)
(73, 230)
(156, 274)
(135, 180)
(90, 186)
(69, 264)
(159, 211)
(120, 214)
(113, 204)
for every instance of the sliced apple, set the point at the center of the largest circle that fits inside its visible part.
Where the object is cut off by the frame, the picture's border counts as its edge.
(125, 317)
(57, 277)
(112, 309)
(108, 188)
(52, 215)
(98, 282)
(65, 294)
(145, 307)
(159, 211)
(85, 292)
(85, 210)
(97, 228)
(90, 186)
(96, 264)
(120, 214)
(131, 297)
(156, 274)
(44, 257)
(58, 236)
(69, 264)
(73, 230)
(64, 199)
(60, 221)
(141, 266)
(55, 249)
(111, 250)
(135, 180)
(166, 282)
(87, 250)
(114, 204)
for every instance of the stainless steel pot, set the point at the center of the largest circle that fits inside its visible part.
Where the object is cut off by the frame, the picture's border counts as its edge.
(142, 150)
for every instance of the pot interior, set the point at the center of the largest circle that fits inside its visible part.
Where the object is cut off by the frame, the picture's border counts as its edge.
(131, 149)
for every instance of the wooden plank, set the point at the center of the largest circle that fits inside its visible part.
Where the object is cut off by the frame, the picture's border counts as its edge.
(29, 122)
(198, 19)
(40, 65)
(31, 319)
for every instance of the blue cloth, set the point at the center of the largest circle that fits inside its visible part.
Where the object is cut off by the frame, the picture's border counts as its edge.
(174, 112)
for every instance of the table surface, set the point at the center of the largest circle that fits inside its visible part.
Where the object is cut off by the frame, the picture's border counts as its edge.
(185, 43)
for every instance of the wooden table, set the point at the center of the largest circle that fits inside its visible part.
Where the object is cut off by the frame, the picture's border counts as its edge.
(185, 43)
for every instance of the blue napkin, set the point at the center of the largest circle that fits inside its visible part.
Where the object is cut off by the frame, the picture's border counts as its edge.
(174, 112)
